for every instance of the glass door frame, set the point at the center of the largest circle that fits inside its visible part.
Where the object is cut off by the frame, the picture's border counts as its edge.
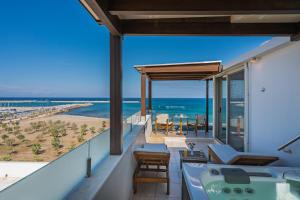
(218, 106)
(218, 86)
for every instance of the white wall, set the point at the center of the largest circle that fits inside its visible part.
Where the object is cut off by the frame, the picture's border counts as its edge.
(119, 185)
(56, 179)
(275, 113)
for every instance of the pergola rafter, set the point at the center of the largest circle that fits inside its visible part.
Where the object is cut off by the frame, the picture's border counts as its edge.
(204, 7)
(173, 72)
(194, 17)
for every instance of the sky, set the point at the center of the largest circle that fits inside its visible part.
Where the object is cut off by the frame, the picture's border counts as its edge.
(56, 49)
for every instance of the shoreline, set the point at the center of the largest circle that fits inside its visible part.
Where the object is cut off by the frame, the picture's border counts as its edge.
(23, 112)
(64, 101)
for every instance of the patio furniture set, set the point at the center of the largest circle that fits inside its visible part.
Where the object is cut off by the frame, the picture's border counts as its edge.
(163, 122)
(156, 158)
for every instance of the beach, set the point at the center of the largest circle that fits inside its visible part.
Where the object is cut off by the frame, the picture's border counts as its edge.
(22, 150)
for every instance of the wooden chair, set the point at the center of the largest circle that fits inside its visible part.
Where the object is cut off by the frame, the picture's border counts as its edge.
(162, 121)
(198, 124)
(152, 158)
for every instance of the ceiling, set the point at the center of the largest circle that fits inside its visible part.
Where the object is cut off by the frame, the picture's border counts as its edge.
(198, 17)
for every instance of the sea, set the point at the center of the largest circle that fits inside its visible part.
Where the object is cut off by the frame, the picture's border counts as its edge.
(175, 107)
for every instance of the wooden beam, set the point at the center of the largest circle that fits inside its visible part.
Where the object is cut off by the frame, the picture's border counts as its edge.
(203, 7)
(182, 69)
(143, 94)
(180, 76)
(184, 27)
(149, 95)
(177, 79)
(207, 106)
(116, 122)
(99, 10)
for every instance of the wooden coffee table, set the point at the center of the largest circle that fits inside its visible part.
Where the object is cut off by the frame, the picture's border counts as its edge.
(197, 157)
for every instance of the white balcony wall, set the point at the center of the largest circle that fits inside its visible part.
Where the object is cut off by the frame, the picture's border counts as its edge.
(274, 116)
(60, 177)
(52, 181)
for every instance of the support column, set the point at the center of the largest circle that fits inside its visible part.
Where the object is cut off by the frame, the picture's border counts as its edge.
(143, 94)
(206, 102)
(149, 95)
(116, 122)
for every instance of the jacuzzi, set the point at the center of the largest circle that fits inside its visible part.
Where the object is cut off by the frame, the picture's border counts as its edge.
(207, 182)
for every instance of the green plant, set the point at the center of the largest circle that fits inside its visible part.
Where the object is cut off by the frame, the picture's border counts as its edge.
(54, 131)
(55, 143)
(4, 126)
(80, 138)
(83, 129)
(63, 131)
(33, 126)
(10, 142)
(37, 158)
(9, 130)
(36, 148)
(6, 158)
(93, 130)
(21, 137)
(4, 137)
(104, 124)
(72, 147)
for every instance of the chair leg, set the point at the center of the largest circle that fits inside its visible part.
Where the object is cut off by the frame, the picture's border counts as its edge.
(167, 128)
(134, 187)
(168, 180)
(187, 129)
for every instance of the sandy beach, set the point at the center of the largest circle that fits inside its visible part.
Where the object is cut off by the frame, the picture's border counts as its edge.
(21, 149)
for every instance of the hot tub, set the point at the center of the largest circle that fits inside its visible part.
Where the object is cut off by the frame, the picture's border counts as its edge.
(208, 182)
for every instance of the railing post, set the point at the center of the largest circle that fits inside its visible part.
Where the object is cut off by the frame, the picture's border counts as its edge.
(143, 94)
(206, 105)
(149, 96)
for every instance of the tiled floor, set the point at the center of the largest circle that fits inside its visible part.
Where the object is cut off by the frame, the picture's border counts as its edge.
(151, 191)
(162, 137)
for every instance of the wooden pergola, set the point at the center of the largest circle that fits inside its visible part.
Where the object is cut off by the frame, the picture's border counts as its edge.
(184, 17)
(175, 72)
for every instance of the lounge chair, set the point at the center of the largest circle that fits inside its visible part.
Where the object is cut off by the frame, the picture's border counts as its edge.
(162, 121)
(152, 158)
(225, 154)
(198, 124)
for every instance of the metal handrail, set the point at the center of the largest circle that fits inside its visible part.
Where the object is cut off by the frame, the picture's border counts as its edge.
(289, 143)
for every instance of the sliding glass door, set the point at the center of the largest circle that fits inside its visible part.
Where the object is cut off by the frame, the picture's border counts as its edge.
(236, 110)
(221, 104)
(230, 109)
